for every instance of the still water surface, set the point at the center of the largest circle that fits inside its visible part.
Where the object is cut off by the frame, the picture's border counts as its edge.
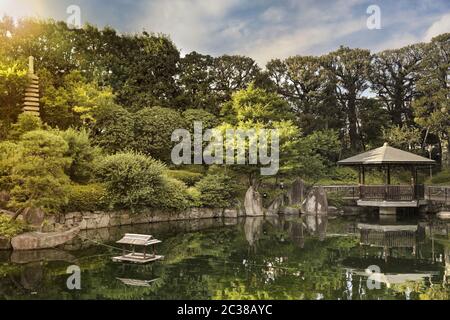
(252, 258)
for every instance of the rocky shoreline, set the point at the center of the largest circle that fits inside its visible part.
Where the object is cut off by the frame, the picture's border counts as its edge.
(59, 229)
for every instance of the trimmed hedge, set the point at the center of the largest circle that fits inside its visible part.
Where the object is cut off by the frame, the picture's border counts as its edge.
(217, 191)
(189, 178)
(91, 197)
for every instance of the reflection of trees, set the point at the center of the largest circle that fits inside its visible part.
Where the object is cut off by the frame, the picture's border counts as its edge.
(289, 263)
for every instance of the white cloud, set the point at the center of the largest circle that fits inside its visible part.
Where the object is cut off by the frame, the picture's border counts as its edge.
(192, 24)
(21, 8)
(440, 26)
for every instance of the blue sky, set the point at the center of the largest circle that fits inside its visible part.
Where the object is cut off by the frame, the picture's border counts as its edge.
(262, 29)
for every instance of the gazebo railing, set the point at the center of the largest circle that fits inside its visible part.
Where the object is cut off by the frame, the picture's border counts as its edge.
(392, 192)
(380, 192)
(437, 194)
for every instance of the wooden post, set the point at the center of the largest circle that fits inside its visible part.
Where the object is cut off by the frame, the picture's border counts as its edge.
(388, 175)
(386, 182)
(363, 175)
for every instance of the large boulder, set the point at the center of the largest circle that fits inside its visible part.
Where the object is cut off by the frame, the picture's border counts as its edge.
(39, 240)
(275, 206)
(253, 203)
(296, 192)
(316, 202)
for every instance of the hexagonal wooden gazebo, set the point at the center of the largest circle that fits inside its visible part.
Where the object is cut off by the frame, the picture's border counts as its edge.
(388, 197)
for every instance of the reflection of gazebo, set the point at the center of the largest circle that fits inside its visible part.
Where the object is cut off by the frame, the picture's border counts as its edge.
(391, 236)
(389, 197)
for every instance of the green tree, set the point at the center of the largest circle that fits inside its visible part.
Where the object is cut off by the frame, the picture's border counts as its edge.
(153, 128)
(207, 119)
(350, 68)
(13, 81)
(431, 108)
(217, 191)
(72, 103)
(113, 128)
(393, 74)
(309, 89)
(39, 177)
(256, 109)
(233, 73)
(406, 138)
(82, 153)
(196, 82)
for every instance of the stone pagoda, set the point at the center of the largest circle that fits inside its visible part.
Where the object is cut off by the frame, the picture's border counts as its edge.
(31, 99)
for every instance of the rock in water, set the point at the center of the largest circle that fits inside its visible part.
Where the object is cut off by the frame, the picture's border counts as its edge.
(39, 240)
(253, 203)
(275, 206)
(295, 193)
(316, 202)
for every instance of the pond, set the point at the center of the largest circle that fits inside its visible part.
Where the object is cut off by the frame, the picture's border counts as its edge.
(252, 258)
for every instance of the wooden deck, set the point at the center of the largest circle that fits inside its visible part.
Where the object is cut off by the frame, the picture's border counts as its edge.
(137, 258)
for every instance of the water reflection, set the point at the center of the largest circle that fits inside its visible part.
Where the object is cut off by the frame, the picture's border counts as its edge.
(310, 257)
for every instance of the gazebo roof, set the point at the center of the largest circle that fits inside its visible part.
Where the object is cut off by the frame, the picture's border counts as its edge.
(386, 155)
(138, 239)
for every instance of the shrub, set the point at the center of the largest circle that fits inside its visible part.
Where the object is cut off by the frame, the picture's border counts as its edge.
(82, 154)
(10, 228)
(39, 178)
(153, 128)
(194, 197)
(112, 129)
(216, 190)
(91, 197)
(25, 123)
(442, 177)
(189, 178)
(207, 119)
(132, 180)
(173, 195)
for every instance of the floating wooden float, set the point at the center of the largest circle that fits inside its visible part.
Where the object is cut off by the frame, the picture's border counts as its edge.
(140, 240)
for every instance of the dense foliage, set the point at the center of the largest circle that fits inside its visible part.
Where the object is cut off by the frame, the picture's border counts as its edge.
(110, 102)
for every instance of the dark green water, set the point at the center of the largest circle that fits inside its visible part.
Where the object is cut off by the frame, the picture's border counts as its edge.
(253, 258)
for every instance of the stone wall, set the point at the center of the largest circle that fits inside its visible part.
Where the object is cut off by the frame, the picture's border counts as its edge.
(100, 219)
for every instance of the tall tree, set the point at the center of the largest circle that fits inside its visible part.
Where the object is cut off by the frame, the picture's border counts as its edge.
(196, 82)
(306, 85)
(233, 73)
(432, 108)
(393, 75)
(350, 67)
